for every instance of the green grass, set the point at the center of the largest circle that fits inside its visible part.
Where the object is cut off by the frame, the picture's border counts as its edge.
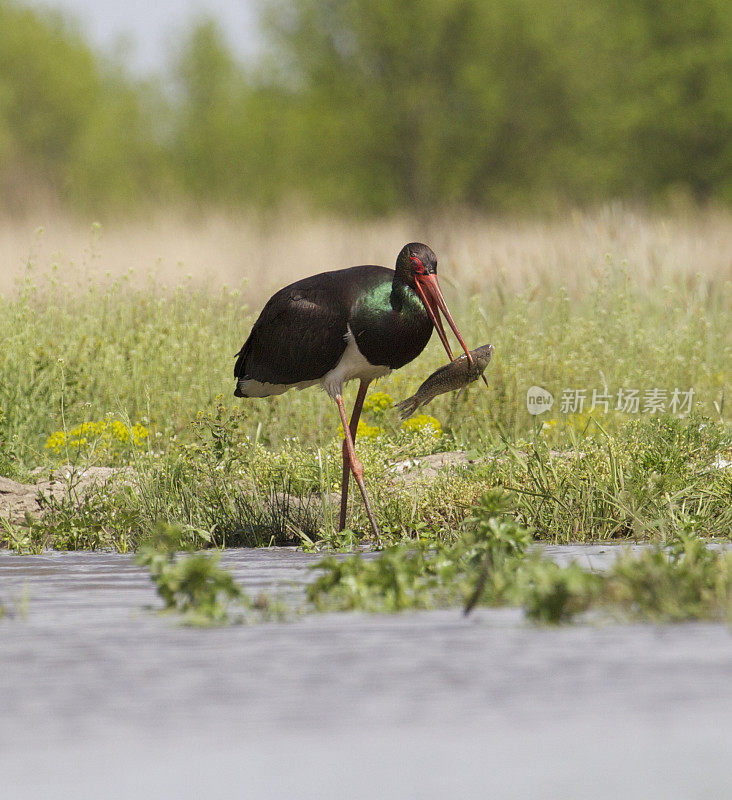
(263, 471)
(489, 563)
(159, 357)
(195, 587)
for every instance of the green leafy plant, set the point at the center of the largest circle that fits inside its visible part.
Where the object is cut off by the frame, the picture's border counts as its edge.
(686, 580)
(19, 538)
(490, 564)
(100, 516)
(552, 594)
(420, 575)
(193, 585)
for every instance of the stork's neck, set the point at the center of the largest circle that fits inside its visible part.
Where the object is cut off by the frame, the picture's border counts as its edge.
(404, 299)
(390, 325)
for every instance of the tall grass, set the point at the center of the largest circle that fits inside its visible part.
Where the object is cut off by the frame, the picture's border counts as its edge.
(77, 346)
(601, 302)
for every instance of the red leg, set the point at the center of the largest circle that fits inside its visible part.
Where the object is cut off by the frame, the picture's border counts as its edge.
(353, 427)
(356, 465)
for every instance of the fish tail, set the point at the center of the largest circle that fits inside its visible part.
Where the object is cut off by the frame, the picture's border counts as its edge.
(409, 406)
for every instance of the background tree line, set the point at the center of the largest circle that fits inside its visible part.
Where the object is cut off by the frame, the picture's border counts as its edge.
(375, 106)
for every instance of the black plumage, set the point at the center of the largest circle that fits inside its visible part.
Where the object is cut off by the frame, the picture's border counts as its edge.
(302, 331)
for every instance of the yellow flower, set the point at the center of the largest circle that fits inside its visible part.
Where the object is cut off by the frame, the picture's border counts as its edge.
(365, 431)
(378, 402)
(56, 441)
(422, 423)
(120, 431)
(139, 433)
(105, 434)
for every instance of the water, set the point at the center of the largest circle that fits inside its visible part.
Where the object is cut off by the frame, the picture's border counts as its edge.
(101, 699)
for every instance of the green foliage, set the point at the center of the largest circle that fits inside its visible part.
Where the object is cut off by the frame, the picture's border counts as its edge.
(685, 581)
(8, 457)
(650, 479)
(211, 122)
(70, 124)
(18, 538)
(552, 594)
(490, 565)
(193, 585)
(492, 533)
(467, 102)
(99, 518)
(227, 491)
(219, 486)
(368, 106)
(400, 578)
(418, 575)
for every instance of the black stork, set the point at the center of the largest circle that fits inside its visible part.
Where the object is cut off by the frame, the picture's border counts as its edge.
(360, 322)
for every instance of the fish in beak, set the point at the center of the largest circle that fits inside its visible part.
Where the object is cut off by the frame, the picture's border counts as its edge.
(431, 295)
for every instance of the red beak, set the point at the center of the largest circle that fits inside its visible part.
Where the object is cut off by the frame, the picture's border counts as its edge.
(431, 295)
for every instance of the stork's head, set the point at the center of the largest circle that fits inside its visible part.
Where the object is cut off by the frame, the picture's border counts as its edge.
(417, 267)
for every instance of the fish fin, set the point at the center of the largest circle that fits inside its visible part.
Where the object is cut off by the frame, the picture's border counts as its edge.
(408, 407)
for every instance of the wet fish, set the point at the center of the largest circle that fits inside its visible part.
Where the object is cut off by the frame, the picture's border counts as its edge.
(455, 375)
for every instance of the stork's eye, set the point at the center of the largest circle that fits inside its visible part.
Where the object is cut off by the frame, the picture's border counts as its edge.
(417, 264)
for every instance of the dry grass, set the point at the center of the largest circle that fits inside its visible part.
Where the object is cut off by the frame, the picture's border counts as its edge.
(476, 253)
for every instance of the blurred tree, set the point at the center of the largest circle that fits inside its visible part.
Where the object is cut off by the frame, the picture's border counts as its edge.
(230, 135)
(211, 93)
(678, 96)
(398, 98)
(375, 106)
(431, 102)
(66, 125)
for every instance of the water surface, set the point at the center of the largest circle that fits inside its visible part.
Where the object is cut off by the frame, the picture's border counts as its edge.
(102, 699)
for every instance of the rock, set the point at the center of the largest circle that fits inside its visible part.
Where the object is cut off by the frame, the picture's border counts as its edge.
(19, 499)
(429, 466)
